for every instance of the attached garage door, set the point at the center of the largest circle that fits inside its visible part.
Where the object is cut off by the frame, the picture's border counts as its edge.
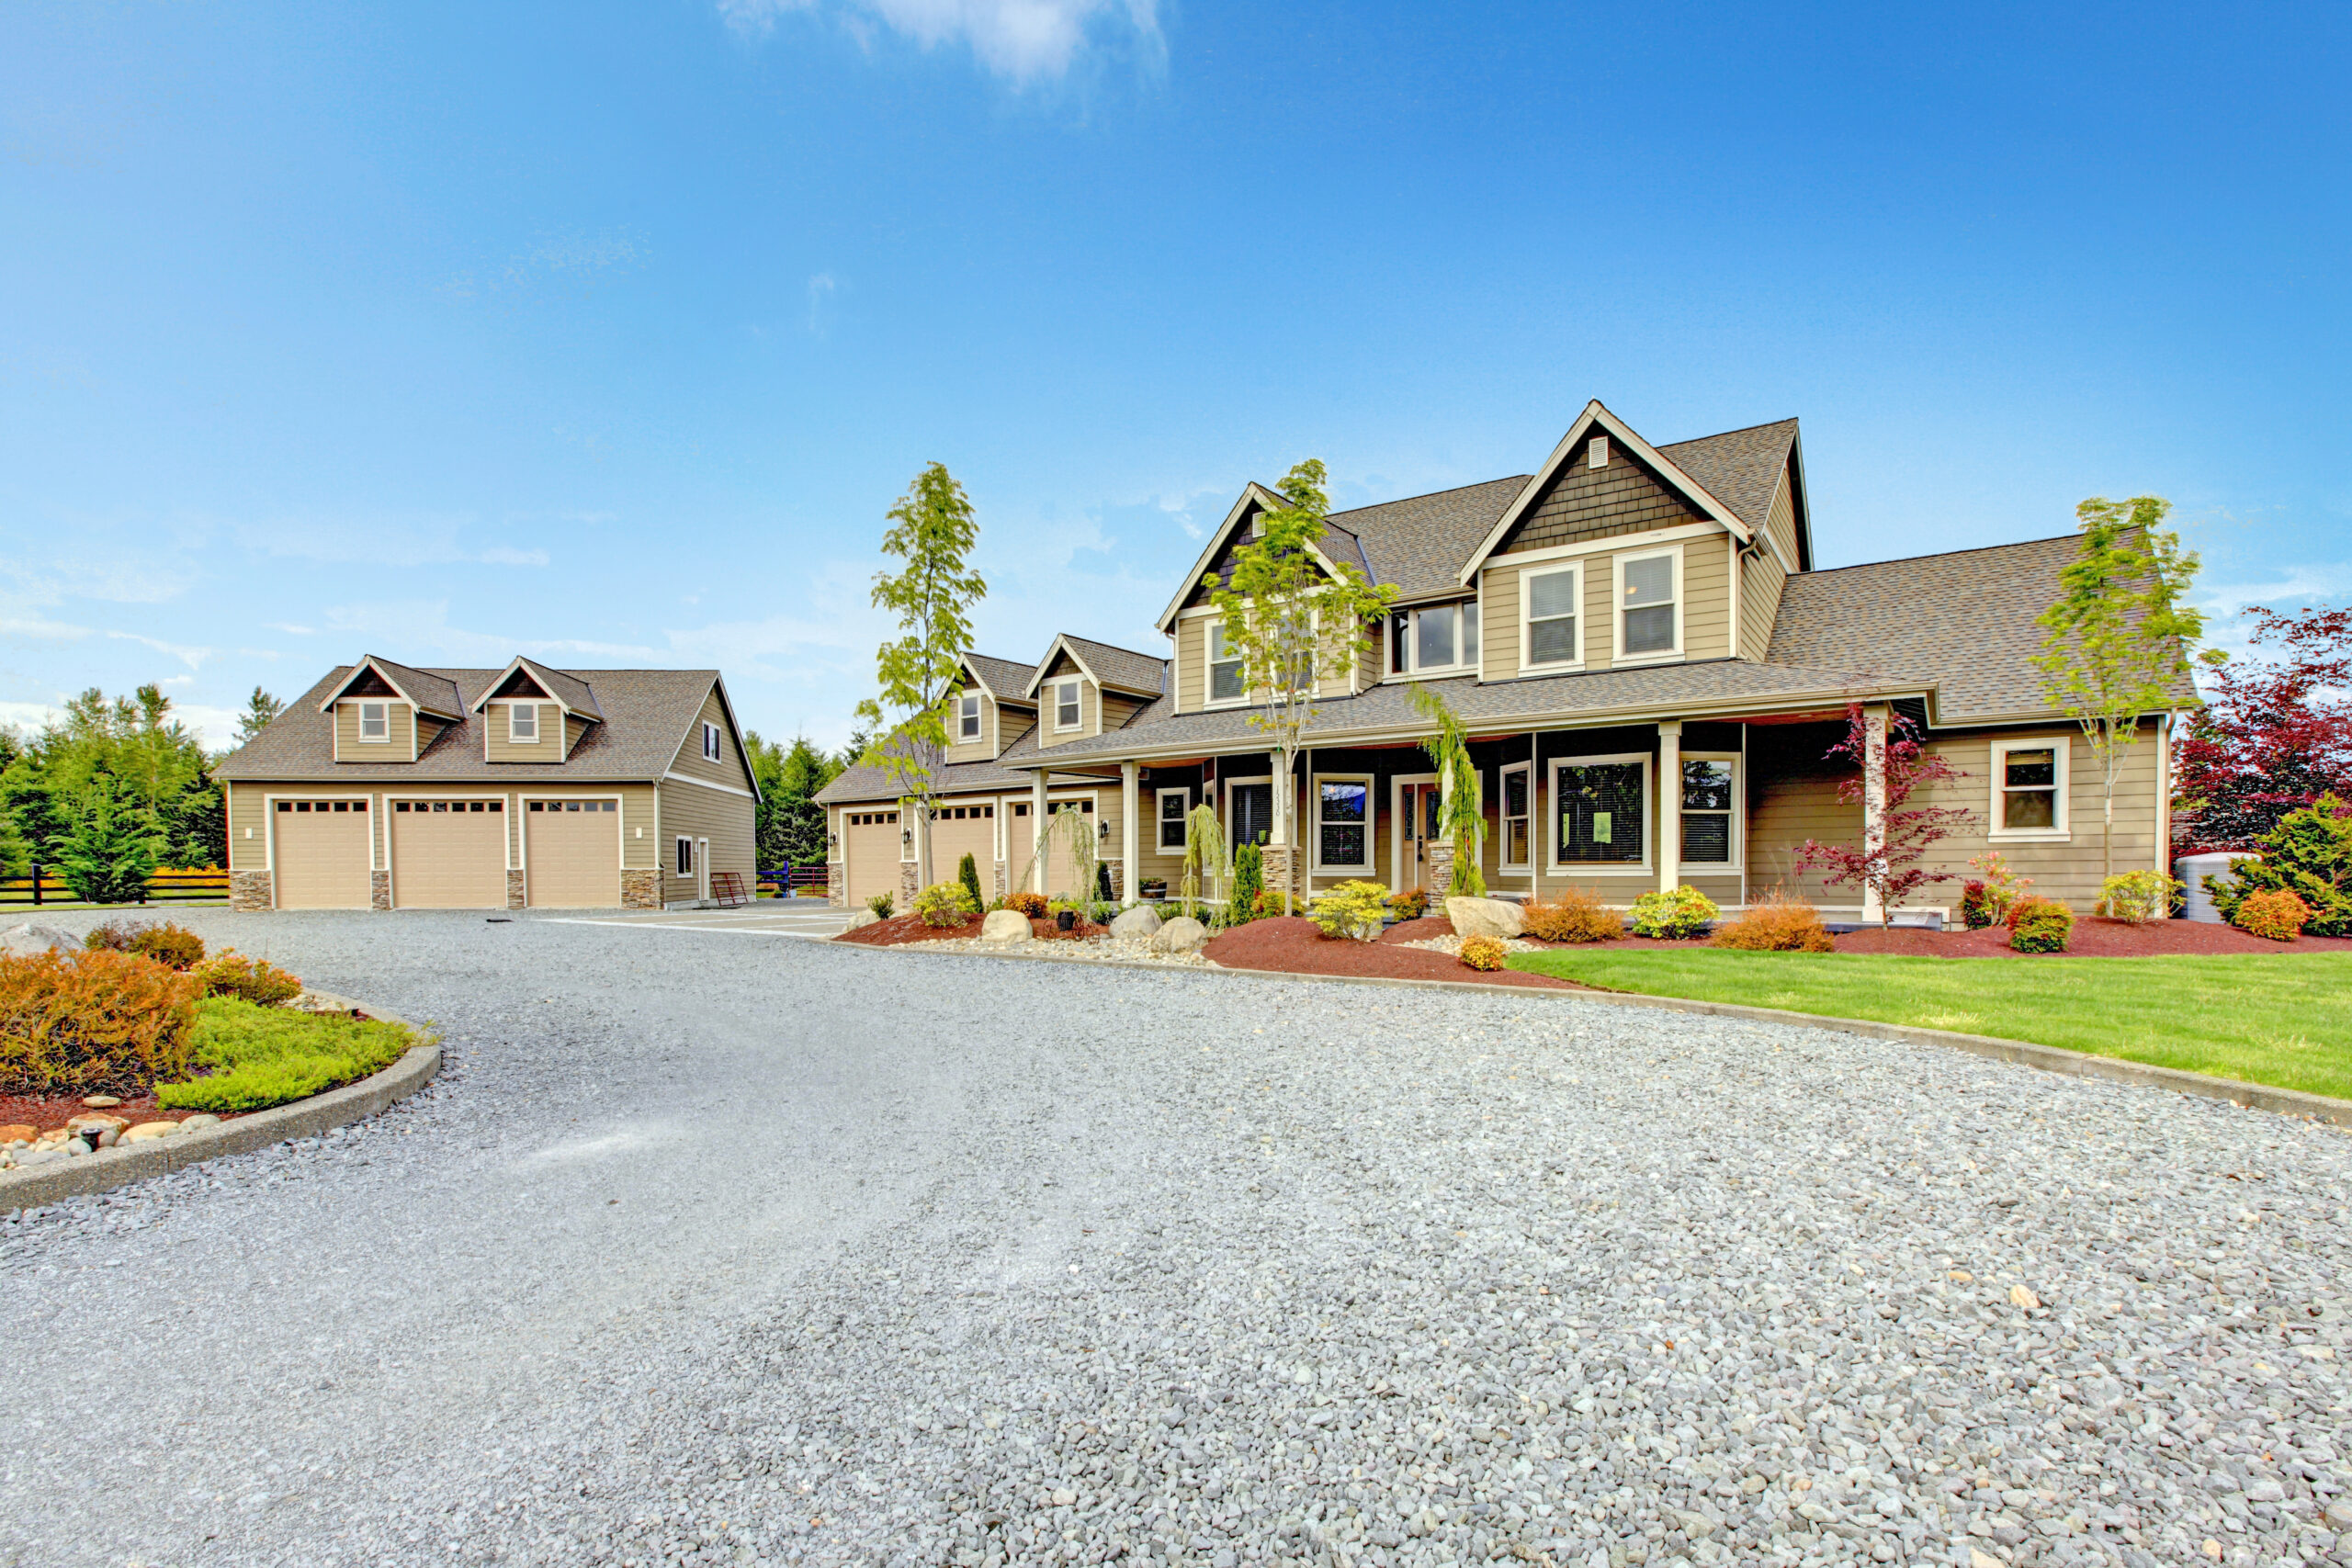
(449, 854)
(871, 839)
(319, 849)
(960, 831)
(572, 853)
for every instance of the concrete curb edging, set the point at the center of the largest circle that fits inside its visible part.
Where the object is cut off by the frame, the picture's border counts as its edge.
(109, 1169)
(2048, 1058)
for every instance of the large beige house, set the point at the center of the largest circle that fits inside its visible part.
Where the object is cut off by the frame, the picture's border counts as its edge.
(387, 787)
(1653, 669)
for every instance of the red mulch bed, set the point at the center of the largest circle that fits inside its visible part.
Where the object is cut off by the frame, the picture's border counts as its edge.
(2093, 938)
(44, 1111)
(900, 930)
(1296, 945)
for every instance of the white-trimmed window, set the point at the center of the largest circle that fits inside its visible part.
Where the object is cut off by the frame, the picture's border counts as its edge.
(686, 856)
(1550, 599)
(1649, 604)
(1342, 823)
(2029, 788)
(1173, 805)
(968, 717)
(376, 722)
(522, 723)
(710, 743)
(1600, 812)
(1065, 708)
(1518, 817)
(1440, 637)
(1225, 667)
(1710, 810)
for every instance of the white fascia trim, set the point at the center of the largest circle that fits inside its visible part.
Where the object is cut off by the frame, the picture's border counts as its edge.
(1252, 491)
(1594, 415)
(1630, 543)
(518, 662)
(723, 789)
(1060, 645)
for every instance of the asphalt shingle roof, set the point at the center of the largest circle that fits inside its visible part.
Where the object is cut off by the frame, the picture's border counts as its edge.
(1121, 667)
(647, 713)
(1740, 468)
(869, 782)
(1004, 677)
(568, 690)
(1420, 543)
(430, 689)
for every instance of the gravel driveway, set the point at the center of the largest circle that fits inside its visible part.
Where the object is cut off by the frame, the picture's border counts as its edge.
(721, 1248)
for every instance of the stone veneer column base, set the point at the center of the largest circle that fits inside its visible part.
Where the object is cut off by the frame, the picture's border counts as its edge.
(908, 887)
(641, 889)
(513, 889)
(1003, 878)
(1279, 861)
(1440, 872)
(249, 891)
(379, 889)
(836, 884)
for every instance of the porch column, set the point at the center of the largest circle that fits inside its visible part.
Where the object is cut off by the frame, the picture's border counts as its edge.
(1670, 804)
(1873, 800)
(1130, 799)
(1036, 826)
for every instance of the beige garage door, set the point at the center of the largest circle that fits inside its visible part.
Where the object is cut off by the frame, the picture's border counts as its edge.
(319, 849)
(959, 830)
(572, 853)
(449, 854)
(871, 839)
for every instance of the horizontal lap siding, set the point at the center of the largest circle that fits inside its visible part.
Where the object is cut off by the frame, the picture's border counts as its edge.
(731, 770)
(1793, 796)
(349, 748)
(984, 750)
(692, 811)
(1499, 620)
(1192, 664)
(1760, 583)
(574, 726)
(1706, 598)
(547, 749)
(1781, 522)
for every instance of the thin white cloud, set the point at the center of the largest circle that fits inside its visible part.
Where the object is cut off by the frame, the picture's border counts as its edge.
(289, 626)
(1022, 41)
(41, 629)
(193, 657)
(127, 580)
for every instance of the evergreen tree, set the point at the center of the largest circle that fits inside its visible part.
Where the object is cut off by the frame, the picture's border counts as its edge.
(111, 845)
(260, 709)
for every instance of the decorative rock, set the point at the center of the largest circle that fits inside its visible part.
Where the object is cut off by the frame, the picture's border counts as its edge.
(147, 1132)
(1486, 916)
(18, 1132)
(31, 938)
(1005, 925)
(1140, 921)
(100, 1102)
(862, 920)
(202, 1120)
(97, 1118)
(1183, 935)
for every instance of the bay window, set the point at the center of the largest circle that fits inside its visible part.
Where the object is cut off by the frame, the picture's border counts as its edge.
(1441, 637)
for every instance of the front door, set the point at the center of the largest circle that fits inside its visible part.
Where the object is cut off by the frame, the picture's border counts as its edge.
(1419, 821)
(1252, 813)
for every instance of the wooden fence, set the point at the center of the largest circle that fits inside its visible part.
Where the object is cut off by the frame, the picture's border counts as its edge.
(801, 880)
(209, 886)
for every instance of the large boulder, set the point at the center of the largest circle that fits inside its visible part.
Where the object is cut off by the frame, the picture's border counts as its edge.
(1183, 935)
(1005, 925)
(1138, 923)
(27, 938)
(859, 921)
(1484, 917)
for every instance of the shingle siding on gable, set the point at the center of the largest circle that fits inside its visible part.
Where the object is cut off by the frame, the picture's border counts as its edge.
(1596, 504)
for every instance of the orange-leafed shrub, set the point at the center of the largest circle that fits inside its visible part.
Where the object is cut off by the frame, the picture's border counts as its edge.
(2278, 913)
(1574, 916)
(1484, 953)
(93, 1023)
(1032, 905)
(1781, 923)
(1410, 905)
(256, 980)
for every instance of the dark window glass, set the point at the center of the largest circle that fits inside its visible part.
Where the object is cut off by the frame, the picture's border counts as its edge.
(1706, 786)
(1600, 813)
(1707, 838)
(1398, 626)
(1342, 807)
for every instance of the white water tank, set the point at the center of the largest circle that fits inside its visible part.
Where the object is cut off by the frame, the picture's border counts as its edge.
(2194, 869)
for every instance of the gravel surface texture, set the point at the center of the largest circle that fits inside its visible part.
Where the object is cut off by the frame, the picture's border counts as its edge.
(716, 1250)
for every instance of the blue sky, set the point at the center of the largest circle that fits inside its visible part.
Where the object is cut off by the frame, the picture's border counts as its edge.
(608, 331)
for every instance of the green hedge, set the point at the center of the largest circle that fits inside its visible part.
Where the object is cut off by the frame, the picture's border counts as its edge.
(254, 1057)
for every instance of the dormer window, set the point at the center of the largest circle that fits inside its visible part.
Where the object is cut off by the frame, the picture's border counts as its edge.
(376, 722)
(968, 717)
(1065, 713)
(522, 723)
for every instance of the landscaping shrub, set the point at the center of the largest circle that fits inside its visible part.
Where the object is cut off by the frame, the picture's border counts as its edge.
(1978, 909)
(1409, 905)
(2308, 854)
(173, 947)
(2277, 913)
(1484, 953)
(2003, 888)
(1681, 913)
(1248, 881)
(2138, 897)
(1574, 916)
(1032, 905)
(253, 1057)
(881, 904)
(945, 904)
(1352, 909)
(115, 936)
(2040, 925)
(1779, 923)
(1268, 903)
(256, 980)
(92, 1022)
(968, 872)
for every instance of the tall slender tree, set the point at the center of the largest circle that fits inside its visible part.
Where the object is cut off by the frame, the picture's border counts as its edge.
(934, 532)
(1293, 616)
(260, 709)
(1464, 822)
(2115, 646)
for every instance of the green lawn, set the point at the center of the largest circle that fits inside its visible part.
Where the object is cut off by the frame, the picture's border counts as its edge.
(2283, 1020)
(254, 1057)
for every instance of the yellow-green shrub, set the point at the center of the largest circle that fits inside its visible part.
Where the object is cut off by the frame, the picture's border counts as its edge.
(1681, 913)
(1574, 916)
(254, 1058)
(231, 974)
(944, 903)
(2137, 897)
(1484, 953)
(92, 1022)
(1352, 909)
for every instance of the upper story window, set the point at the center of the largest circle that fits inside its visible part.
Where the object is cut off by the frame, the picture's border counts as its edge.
(1441, 636)
(523, 723)
(710, 743)
(2029, 789)
(376, 721)
(1649, 609)
(1548, 601)
(1066, 715)
(968, 717)
(1225, 667)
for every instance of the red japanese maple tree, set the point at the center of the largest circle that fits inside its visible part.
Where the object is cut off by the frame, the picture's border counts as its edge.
(1891, 867)
(2276, 733)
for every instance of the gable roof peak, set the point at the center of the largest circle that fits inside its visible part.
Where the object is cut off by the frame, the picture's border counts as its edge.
(420, 689)
(566, 689)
